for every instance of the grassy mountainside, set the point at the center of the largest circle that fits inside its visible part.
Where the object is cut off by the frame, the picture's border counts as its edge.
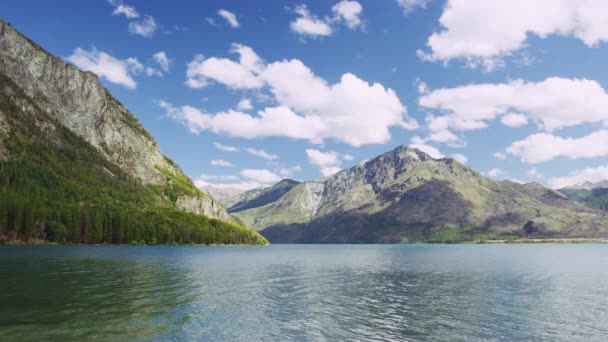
(79, 102)
(56, 186)
(259, 197)
(404, 196)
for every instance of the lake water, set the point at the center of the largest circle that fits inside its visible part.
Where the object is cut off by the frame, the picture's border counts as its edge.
(305, 292)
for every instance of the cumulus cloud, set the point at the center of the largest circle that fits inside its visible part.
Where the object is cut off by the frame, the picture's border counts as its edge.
(514, 120)
(553, 103)
(428, 149)
(482, 32)
(244, 105)
(351, 110)
(409, 6)
(289, 171)
(347, 157)
(309, 25)
(126, 10)
(500, 155)
(328, 162)
(495, 172)
(262, 154)
(229, 17)
(349, 12)
(534, 173)
(543, 147)
(225, 148)
(461, 158)
(233, 182)
(261, 175)
(589, 174)
(235, 75)
(221, 162)
(145, 27)
(112, 69)
(162, 60)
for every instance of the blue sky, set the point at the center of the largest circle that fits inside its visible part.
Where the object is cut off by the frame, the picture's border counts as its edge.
(516, 89)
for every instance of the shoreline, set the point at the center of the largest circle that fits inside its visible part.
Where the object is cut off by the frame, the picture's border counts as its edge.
(464, 242)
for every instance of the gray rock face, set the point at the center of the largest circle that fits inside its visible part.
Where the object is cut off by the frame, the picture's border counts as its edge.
(79, 102)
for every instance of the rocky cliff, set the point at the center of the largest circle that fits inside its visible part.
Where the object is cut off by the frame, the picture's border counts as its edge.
(78, 101)
(405, 195)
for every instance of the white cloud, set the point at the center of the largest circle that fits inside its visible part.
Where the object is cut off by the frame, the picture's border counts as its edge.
(221, 162)
(554, 103)
(229, 17)
(419, 144)
(347, 157)
(145, 28)
(320, 158)
(207, 177)
(534, 173)
(349, 12)
(289, 171)
(543, 147)
(409, 6)
(114, 70)
(261, 175)
(328, 162)
(500, 155)
(461, 158)
(308, 24)
(309, 108)
(244, 105)
(225, 148)
(514, 120)
(327, 171)
(262, 154)
(126, 10)
(204, 180)
(495, 172)
(162, 60)
(210, 21)
(589, 174)
(235, 75)
(481, 31)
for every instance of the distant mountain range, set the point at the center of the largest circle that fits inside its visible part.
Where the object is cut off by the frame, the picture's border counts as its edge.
(592, 194)
(405, 195)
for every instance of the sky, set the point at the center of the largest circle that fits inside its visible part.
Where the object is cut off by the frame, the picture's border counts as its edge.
(243, 93)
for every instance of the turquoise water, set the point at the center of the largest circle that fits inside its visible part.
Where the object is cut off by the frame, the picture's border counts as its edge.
(305, 292)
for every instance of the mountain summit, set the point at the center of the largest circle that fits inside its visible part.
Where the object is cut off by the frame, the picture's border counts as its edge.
(405, 195)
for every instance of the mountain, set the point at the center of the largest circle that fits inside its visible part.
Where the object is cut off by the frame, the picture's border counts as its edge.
(261, 196)
(588, 185)
(594, 195)
(69, 148)
(227, 196)
(405, 195)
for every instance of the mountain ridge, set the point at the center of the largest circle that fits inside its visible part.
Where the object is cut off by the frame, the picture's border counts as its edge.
(80, 102)
(405, 195)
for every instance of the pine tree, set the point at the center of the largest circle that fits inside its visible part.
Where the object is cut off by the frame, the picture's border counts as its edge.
(27, 223)
(74, 235)
(3, 215)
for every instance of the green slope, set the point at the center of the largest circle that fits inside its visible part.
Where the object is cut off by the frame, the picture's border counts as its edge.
(55, 186)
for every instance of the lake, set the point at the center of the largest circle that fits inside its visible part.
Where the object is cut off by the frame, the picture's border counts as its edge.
(543, 292)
